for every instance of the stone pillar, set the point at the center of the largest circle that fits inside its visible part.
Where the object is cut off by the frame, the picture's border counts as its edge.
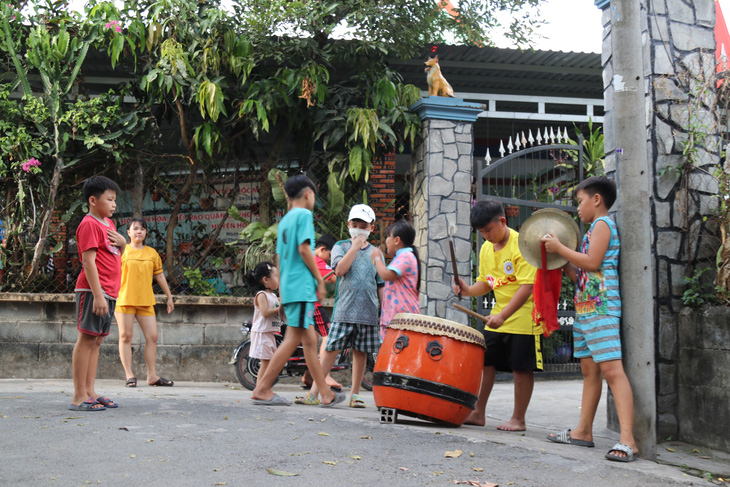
(441, 195)
(678, 65)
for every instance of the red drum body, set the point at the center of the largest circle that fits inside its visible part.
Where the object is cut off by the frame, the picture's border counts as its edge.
(429, 368)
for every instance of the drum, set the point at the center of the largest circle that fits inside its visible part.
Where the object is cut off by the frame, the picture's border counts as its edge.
(430, 368)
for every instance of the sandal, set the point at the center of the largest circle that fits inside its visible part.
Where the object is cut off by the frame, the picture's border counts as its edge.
(307, 400)
(106, 402)
(356, 401)
(162, 382)
(132, 382)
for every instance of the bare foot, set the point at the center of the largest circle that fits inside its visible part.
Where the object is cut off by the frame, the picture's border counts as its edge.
(512, 425)
(475, 418)
(332, 382)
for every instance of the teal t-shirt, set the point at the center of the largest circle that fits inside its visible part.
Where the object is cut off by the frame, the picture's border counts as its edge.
(297, 282)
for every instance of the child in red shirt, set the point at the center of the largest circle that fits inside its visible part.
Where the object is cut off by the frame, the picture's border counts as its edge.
(97, 288)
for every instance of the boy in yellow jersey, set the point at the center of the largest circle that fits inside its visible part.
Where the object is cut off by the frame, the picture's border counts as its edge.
(513, 338)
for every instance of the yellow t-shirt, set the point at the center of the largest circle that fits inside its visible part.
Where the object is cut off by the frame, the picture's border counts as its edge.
(504, 272)
(138, 268)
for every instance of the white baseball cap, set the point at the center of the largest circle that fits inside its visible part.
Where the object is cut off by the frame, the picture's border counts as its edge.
(362, 212)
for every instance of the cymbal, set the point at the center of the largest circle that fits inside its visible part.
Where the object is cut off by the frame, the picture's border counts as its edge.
(540, 223)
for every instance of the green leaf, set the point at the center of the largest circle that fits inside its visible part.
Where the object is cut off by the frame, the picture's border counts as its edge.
(276, 191)
(355, 162)
(281, 473)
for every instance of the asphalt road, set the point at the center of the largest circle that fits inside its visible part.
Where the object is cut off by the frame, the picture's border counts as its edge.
(198, 434)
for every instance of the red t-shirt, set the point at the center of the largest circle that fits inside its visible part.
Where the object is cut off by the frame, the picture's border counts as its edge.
(91, 234)
(324, 269)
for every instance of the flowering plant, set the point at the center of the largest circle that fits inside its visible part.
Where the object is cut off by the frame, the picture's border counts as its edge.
(30, 164)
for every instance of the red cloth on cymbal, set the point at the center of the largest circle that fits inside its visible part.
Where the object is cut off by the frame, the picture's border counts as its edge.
(546, 294)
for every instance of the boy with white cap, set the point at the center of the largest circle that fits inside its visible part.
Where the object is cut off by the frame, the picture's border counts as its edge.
(359, 287)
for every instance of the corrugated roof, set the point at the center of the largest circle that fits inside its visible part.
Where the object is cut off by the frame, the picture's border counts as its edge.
(511, 71)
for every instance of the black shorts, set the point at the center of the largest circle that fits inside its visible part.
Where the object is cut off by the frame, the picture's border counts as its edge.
(321, 321)
(509, 352)
(89, 323)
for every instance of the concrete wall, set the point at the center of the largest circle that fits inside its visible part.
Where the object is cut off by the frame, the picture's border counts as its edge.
(704, 375)
(38, 332)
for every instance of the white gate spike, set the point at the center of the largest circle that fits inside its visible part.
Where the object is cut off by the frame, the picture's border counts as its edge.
(565, 134)
(517, 142)
(501, 148)
(488, 157)
(530, 138)
(509, 145)
(539, 137)
(552, 136)
(524, 140)
(546, 136)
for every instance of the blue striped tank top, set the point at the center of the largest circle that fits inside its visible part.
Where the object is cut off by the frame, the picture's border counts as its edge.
(597, 293)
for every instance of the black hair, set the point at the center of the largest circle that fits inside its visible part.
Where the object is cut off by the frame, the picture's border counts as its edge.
(255, 277)
(296, 185)
(407, 234)
(326, 241)
(96, 185)
(485, 212)
(135, 219)
(599, 185)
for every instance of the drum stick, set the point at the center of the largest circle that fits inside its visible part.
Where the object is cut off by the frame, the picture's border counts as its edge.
(471, 313)
(328, 275)
(452, 230)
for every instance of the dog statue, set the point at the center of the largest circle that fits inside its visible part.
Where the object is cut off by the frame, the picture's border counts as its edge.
(437, 84)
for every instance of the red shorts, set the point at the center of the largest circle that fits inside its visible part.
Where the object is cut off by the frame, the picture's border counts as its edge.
(321, 321)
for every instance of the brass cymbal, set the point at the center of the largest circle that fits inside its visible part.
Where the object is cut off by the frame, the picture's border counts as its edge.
(540, 223)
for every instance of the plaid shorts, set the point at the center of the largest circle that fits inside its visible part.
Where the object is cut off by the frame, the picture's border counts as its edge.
(363, 338)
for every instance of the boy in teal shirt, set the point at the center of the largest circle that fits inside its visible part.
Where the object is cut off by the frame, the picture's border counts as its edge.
(300, 280)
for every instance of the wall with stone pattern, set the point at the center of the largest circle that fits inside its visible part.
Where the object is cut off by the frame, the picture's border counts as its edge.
(704, 375)
(441, 198)
(678, 54)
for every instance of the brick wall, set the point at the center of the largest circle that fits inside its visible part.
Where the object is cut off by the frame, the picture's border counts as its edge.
(382, 193)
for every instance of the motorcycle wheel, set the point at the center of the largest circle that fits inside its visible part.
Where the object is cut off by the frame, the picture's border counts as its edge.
(247, 368)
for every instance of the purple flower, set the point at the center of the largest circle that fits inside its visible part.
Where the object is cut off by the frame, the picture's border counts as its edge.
(27, 165)
(114, 24)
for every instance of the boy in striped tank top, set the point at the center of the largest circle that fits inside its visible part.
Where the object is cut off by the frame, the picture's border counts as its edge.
(598, 311)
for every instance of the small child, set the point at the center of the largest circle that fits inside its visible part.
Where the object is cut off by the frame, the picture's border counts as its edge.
(400, 294)
(512, 337)
(264, 279)
(598, 314)
(322, 255)
(355, 318)
(300, 284)
(100, 250)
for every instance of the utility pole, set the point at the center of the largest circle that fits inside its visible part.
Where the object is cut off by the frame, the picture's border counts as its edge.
(634, 217)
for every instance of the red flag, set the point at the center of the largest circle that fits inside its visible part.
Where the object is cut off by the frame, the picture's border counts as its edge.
(546, 294)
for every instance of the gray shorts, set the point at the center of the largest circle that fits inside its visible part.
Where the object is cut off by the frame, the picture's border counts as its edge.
(89, 323)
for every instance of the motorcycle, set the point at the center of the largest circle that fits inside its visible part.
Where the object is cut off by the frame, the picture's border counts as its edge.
(247, 367)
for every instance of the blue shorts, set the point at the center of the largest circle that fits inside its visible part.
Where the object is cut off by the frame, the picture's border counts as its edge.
(598, 337)
(299, 314)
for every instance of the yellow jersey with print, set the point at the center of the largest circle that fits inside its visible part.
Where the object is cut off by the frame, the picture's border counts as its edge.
(138, 268)
(505, 271)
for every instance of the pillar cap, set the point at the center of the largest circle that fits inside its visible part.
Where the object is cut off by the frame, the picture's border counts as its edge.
(446, 108)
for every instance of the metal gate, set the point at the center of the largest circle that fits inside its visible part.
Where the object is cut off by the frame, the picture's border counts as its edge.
(528, 179)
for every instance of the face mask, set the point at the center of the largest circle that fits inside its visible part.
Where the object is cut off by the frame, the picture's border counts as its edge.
(356, 232)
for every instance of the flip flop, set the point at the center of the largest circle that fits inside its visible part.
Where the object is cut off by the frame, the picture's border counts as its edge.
(106, 402)
(131, 382)
(339, 397)
(564, 438)
(307, 400)
(277, 400)
(356, 401)
(86, 406)
(163, 382)
(630, 455)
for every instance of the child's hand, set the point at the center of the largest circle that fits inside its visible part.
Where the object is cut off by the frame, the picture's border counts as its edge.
(321, 290)
(170, 305)
(359, 242)
(495, 321)
(457, 288)
(552, 243)
(376, 254)
(116, 238)
(100, 307)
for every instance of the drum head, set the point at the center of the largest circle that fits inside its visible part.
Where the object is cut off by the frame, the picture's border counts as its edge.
(542, 222)
(438, 327)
